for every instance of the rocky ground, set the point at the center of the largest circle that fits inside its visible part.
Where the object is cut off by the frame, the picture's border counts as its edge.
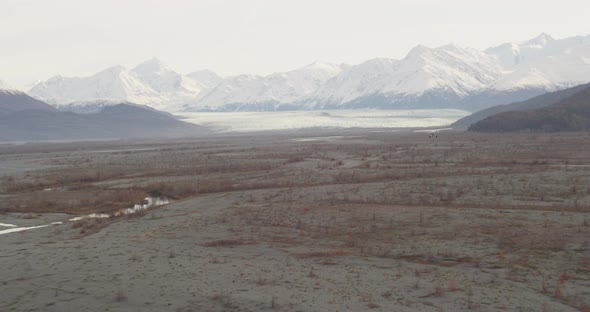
(332, 221)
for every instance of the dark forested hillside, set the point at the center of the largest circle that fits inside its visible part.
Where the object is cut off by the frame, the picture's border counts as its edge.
(569, 114)
(540, 101)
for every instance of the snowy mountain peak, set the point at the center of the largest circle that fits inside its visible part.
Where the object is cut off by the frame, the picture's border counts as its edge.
(543, 63)
(254, 92)
(450, 70)
(112, 84)
(150, 83)
(175, 87)
(52, 79)
(150, 66)
(203, 73)
(318, 65)
(452, 47)
(418, 50)
(111, 71)
(314, 71)
(208, 79)
(540, 40)
(379, 61)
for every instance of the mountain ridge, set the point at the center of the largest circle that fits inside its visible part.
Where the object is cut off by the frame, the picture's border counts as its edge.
(460, 77)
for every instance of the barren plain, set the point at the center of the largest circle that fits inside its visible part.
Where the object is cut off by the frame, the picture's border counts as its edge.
(326, 220)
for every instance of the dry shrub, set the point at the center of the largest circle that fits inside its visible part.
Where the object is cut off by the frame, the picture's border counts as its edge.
(517, 237)
(120, 296)
(373, 305)
(227, 243)
(583, 265)
(452, 285)
(70, 177)
(328, 261)
(175, 190)
(321, 254)
(186, 188)
(439, 291)
(12, 186)
(90, 226)
(295, 159)
(74, 201)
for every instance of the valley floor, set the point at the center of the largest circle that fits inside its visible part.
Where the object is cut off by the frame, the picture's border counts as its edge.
(349, 220)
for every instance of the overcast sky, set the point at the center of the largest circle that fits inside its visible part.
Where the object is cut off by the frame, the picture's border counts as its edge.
(42, 38)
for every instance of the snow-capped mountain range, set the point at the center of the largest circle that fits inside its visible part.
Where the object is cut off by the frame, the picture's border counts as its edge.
(249, 92)
(451, 71)
(150, 83)
(450, 76)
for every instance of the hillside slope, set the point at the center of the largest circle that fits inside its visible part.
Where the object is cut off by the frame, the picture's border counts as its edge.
(117, 121)
(534, 103)
(569, 114)
(13, 101)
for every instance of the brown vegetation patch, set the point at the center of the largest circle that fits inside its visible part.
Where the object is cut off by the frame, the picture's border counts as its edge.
(90, 226)
(321, 254)
(228, 243)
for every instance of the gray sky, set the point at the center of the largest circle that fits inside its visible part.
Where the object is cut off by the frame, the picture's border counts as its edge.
(42, 38)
